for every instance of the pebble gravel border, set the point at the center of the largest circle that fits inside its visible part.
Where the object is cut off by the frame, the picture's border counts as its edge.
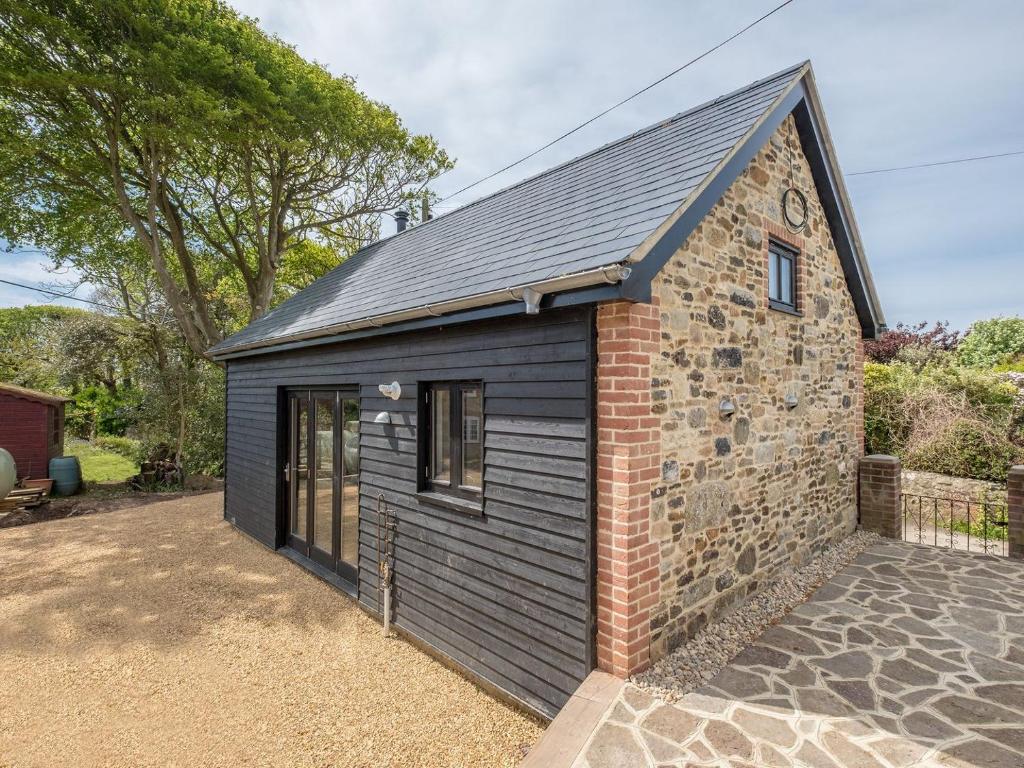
(710, 650)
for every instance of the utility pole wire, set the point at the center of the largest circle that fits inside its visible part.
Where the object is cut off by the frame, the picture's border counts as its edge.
(629, 98)
(939, 162)
(57, 295)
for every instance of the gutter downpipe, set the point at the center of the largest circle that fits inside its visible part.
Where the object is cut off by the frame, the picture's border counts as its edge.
(615, 273)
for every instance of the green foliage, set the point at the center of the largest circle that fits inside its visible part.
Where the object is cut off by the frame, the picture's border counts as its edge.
(96, 410)
(993, 525)
(995, 342)
(941, 417)
(887, 423)
(179, 133)
(124, 446)
(99, 465)
(198, 405)
(27, 357)
(966, 449)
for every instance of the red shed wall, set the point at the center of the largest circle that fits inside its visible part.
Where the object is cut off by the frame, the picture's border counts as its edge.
(25, 431)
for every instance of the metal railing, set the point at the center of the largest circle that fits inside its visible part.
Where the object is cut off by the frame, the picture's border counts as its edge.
(970, 526)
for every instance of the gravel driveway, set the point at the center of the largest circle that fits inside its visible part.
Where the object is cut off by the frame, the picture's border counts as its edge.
(158, 635)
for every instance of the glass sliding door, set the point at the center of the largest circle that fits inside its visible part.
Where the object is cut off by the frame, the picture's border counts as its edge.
(350, 484)
(297, 469)
(322, 474)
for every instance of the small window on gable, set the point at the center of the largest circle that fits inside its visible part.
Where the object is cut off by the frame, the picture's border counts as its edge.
(781, 276)
(452, 446)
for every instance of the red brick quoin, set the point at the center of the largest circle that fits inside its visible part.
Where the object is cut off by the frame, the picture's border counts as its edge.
(628, 464)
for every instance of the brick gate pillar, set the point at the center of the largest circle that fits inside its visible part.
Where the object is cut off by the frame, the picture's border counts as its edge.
(880, 496)
(628, 464)
(1015, 504)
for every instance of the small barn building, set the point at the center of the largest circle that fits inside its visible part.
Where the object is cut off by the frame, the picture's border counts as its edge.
(602, 406)
(31, 428)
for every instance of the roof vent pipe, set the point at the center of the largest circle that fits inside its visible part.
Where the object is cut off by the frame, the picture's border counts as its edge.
(531, 298)
(401, 219)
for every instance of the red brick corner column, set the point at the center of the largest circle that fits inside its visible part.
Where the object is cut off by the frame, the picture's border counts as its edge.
(1015, 502)
(880, 495)
(628, 464)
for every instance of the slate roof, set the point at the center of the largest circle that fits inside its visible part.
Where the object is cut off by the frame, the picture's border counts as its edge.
(587, 213)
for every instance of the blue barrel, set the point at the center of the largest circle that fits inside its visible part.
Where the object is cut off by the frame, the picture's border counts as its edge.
(66, 473)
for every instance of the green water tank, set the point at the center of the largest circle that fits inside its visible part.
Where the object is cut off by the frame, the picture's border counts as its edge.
(66, 473)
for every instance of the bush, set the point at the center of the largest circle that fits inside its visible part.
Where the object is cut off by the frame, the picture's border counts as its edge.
(966, 449)
(887, 420)
(940, 417)
(991, 343)
(917, 339)
(125, 446)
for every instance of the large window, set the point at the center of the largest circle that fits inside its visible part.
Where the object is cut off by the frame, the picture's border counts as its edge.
(781, 277)
(453, 416)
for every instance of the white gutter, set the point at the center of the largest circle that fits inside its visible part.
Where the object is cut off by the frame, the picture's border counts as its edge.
(528, 293)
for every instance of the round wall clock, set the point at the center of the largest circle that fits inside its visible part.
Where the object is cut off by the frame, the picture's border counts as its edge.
(794, 209)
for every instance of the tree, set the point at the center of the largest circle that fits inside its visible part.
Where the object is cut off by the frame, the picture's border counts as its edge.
(939, 338)
(179, 126)
(989, 343)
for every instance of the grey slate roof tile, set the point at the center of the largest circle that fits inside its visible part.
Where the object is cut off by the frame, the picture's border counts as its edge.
(585, 214)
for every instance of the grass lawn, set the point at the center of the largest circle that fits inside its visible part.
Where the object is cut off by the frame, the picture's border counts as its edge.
(98, 465)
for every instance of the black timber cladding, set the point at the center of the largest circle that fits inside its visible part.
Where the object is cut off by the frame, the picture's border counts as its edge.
(507, 595)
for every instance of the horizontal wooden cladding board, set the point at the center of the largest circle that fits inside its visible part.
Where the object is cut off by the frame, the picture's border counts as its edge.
(506, 594)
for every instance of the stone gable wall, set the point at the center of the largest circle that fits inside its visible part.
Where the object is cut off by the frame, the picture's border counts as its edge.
(740, 498)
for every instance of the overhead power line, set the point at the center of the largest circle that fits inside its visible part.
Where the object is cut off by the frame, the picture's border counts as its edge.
(615, 106)
(58, 295)
(937, 163)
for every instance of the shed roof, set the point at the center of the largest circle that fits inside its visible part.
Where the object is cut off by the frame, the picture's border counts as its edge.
(31, 394)
(568, 228)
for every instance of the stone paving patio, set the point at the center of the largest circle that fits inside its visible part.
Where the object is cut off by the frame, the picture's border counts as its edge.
(910, 656)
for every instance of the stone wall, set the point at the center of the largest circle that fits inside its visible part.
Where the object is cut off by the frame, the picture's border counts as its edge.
(949, 487)
(740, 498)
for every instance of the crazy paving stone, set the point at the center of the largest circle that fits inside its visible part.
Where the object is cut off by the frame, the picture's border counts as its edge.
(960, 709)
(614, 746)
(928, 726)
(672, 723)
(765, 728)
(727, 740)
(979, 754)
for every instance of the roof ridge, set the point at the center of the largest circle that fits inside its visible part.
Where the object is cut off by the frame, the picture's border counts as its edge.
(622, 139)
(366, 249)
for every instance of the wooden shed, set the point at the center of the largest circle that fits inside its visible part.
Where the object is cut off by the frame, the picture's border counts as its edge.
(31, 428)
(600, 406)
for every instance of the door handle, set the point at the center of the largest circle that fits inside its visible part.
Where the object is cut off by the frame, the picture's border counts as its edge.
(287, 472)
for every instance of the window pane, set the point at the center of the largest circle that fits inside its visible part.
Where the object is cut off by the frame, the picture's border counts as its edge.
(786, 279)
(472, 436)
(350, 481)
(301, 468)
(440, 436)
(773, 275)
(323, 476)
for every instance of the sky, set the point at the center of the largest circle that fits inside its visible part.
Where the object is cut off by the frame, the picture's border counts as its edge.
(901, 83)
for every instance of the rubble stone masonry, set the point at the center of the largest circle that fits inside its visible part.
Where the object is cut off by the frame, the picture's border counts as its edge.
(735, 499)
(741, 497)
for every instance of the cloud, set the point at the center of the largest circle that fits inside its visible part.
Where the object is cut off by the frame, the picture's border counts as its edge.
(30, 268)
(901, 83)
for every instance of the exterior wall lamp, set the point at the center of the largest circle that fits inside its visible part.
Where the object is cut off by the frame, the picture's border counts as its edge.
(726, 409)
